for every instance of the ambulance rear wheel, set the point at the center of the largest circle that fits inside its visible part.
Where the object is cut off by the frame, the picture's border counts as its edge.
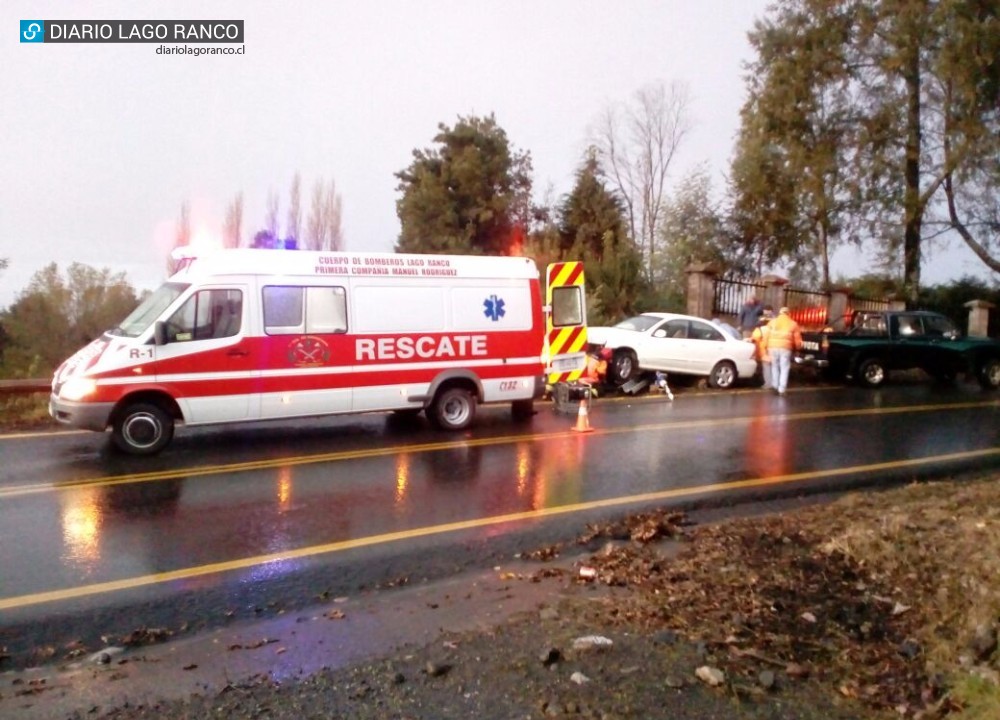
(453, 409)
(142, 429)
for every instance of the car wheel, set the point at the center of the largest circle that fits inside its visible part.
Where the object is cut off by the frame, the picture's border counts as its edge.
(142, 429)
(989, 374)
(723, 375)
(453, 409)
(872, 372)
(624, 367)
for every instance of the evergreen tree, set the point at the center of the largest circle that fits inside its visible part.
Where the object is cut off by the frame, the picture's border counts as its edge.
(693, 231)
(592, 228)
(467, 194)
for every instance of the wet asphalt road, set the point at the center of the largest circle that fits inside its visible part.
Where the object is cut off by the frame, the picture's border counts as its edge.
(240, 521)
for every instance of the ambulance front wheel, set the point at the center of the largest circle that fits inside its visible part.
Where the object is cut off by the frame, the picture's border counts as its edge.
(142, 429)
(453, 409)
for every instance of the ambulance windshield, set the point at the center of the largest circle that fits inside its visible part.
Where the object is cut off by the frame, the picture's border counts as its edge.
(149, 309)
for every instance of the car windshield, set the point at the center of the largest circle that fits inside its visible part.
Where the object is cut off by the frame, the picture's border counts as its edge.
(149, 309)
(639, 323)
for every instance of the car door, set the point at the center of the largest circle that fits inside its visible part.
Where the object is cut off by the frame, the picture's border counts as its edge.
(706, 345)
(943, 358)
(665, 347)
(912, 347)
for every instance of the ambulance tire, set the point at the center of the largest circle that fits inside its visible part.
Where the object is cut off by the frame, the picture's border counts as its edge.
(142, 429)
(453, 408)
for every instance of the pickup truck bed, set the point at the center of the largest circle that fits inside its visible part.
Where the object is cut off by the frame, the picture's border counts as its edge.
(881, 342)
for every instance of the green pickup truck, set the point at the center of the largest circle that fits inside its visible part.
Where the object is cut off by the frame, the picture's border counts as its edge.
(880, 342)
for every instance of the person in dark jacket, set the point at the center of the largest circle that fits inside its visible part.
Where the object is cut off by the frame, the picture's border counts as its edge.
(750, 315)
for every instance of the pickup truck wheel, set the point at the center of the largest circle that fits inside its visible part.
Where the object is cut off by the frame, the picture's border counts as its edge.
(142, 429)
(989, 374)
(452, 409)
(624, 367)
(723, 375)
(871, 372)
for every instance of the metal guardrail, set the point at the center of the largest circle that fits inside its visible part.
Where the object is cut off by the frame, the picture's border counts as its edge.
(25, 387)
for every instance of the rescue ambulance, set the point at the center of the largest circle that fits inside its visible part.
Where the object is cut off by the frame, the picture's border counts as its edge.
(252, 334)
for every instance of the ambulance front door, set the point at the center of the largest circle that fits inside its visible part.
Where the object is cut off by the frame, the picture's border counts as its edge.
(205, 356)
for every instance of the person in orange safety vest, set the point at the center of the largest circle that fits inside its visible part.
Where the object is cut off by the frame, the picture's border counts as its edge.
(759, 339)
(783, 337)
(596, 369)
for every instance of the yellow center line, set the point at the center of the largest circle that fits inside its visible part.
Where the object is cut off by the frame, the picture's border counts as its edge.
(22, 601)
(339, 456)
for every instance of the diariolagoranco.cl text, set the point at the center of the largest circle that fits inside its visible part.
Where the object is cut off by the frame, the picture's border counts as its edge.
(196, 51)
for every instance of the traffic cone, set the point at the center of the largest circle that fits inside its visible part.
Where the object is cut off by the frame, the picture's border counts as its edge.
(582, 424)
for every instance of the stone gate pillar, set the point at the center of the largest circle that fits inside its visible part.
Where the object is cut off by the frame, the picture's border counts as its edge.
(979, 317)
(701, 289)
(774, 291)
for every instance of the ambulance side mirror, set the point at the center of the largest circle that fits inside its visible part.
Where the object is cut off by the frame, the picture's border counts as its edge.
(160, 333)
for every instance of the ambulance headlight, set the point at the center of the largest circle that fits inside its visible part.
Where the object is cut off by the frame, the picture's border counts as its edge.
(78, 388)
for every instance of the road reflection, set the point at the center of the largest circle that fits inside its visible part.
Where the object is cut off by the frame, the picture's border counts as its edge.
(86, 513)
(767, 451)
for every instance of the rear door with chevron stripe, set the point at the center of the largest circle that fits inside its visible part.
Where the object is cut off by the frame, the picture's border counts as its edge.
(566, 321)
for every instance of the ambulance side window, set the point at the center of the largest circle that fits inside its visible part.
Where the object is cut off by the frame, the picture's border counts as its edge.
(326, 310)
(304, 310)
(283, 310)
(208, 314)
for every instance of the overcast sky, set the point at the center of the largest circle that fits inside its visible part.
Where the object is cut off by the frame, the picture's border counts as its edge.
(100, 144)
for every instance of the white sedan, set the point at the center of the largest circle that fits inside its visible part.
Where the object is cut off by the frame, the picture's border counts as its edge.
(676, 344)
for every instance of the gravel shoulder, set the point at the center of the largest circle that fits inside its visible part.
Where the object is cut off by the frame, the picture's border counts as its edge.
(882, 604)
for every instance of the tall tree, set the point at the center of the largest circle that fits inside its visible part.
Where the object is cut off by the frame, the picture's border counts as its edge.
(592, 228)
(293, 226)
(793, 193)
(638, 142)
(323, 226)
(271, 214)
(968, 77)
(465, 195)
(333, 238)
(693, 231)
(232, 231)
(912, 89)
(54, 316)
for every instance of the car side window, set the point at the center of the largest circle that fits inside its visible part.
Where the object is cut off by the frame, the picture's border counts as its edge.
(938, 326)
(704, 331)
(675, 328)
(909, 326)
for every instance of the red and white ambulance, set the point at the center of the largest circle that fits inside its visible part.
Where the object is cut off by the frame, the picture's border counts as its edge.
(242, 335)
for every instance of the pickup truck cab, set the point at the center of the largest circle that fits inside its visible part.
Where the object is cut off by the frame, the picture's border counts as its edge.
(880, 342)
